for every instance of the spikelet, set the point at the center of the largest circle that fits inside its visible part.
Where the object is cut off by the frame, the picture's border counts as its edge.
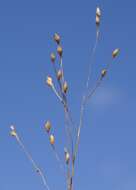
(115, 52)
(59, 74)
(48, 126)
(49, 81)
(65, 87)
(52, 140)
(60, 50)
(52, 56)
(103, 73)
(13, 131)
(57, 38)
(98, 16)
(67, 156)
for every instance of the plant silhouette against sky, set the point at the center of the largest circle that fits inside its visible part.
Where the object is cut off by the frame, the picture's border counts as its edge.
(60, 88)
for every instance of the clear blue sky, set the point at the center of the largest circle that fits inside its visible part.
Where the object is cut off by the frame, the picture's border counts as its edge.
(107, 158)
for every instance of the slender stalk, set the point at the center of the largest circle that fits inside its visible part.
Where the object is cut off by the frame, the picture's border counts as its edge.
(83, 102)
(98, 83)
(70, 138)
(68, 131)
(57, 94)
(91, 58)
(69, 123)
(61, 65)
(35, 166)
(58, 158)
(63, 100)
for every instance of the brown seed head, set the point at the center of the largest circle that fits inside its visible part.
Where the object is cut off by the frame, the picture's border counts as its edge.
(59, 74)
(57, 38)
(49, 81)
(103, 73)
(115, 52)
(52, 56)
(52, 140)
(48, 126)
(65, 87)
(67, 157)
(60, 51)
(13, 131)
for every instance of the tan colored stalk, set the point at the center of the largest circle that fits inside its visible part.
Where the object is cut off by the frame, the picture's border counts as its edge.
(28, 155)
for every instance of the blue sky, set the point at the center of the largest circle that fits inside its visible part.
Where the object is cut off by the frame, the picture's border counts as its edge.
(107, 154)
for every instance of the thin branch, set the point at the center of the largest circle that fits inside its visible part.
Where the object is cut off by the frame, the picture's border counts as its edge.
(98, 83)
(37, 169)
(69, 123)
(71, 144)
(91, 58)
(90, 94)
(58, 158)
(61, 65)
(83, 102)
(57, 94)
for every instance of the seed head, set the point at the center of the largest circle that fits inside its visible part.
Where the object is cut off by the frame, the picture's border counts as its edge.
(52, 140)
(98, 12)
(60, 51)
(56, 38)
(65, 87)
(115, 52)
(67, 157)
(59, 74)
(103, 73)
(52, 56)
(48, 126)
(49, 81)
(98, 15)
(13, 131)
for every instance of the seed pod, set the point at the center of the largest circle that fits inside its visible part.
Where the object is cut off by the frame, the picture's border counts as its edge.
(48, 126)
(59, 74)
(98, 12)
(103, 73)
(13, 131)
(60, 51)
(57, 38)
(67, 157)
(49, 81)
(52, 140)
(52, 56)
(65, 87)
(98, 15)
(97, 20)
(115, 52)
